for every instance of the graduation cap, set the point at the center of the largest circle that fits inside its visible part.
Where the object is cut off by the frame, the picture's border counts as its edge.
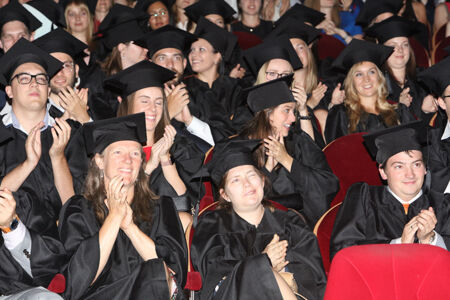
(209, 7)
(138, 76)
(359, 51)
(91, 4)
(279, 47)
(436, 78)
(23, 51)
(166, 37)
(387, 142)
(302, 14)
(269, 94)
(14, 11)
(121, 25)
(295, 29)
(51, 10)
(100, 134)
(228, 154)
(372, 8)
(60, 40)
(392, 27)
(142, 5)
(221, 40)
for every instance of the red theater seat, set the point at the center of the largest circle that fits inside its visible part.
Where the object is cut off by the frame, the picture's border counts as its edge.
(247, 40)
(390, 272)
(421, 54)
(329, 46)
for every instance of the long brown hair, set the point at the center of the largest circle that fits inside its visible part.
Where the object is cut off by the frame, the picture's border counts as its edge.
(112, 64)
(126, 108)
(95, 192)
(410, 67)
(355, 110)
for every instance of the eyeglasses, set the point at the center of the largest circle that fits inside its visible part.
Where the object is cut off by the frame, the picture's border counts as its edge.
(159, 13)
(25, 78)
(275, 75)
(68, 66)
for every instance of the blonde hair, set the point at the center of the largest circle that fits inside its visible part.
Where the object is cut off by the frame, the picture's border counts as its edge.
(311, 80)
(355, 110)
(89, 31)
(261, 77)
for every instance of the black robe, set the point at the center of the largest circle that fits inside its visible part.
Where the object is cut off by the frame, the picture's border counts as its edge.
(337, 121)
(216, 105)
(437, 155)
(371, 215)
(126, 275)
(224, 244)
(261, 31)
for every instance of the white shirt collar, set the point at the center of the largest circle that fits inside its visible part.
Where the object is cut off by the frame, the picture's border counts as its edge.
(402, 201)
(10, 119)
(446, 134)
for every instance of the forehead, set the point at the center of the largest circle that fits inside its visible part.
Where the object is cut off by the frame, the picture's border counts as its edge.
(365, 65)
(124, 144)
(76, 8)
(202, 43)
(61, 56)
(239, 170)
(278, 63)
(32, 68)
(152, 92)
(405, 157)
(397, 40)
(158, 5)
(14, 27)
(168, 51)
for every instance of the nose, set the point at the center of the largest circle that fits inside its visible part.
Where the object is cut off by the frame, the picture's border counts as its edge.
(169, 63)
(127, 158)
(409, 172)
(291, 117)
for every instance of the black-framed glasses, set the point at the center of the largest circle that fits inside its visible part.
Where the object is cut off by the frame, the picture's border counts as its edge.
(274, 75)
(25, 78)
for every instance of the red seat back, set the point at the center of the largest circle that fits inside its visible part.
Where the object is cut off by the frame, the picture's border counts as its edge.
(439, 53)
(421, 54)
(389, 272)
(247, 40)
(329, 46)
(350, 161)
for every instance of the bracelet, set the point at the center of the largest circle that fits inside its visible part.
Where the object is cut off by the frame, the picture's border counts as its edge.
(166, 163)
(308, 117)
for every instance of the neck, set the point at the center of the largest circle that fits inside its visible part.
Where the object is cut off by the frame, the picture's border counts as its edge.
(208, 76)
(150, 137)
(400, 75)
(28, 119)
(100, 15)
(369, 104)
(327, 11)
(253, 217)
(181, 15)
(250, 20)
(81, 36)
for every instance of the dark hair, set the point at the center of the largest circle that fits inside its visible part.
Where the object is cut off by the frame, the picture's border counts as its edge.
(112, 64)
(95, 192)
(383, 166)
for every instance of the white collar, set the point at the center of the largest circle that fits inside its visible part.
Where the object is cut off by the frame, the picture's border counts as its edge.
(446, 134)
(10, 119)
(402, 201)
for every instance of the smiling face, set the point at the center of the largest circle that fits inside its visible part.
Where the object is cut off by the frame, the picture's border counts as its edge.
(202, 57)
(244, 188)
(404, 172)
(66, 76)
(123, 158)
(150, 101)
(250, 7)
(399, 58)
(365, 79)
(282, 117)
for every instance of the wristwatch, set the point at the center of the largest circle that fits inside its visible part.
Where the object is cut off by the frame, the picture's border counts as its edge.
(12, 226)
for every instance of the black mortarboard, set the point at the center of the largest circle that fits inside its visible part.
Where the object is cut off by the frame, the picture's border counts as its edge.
(138, 76)
(60, 40)
(14, 11)
(91, 4)
(392, 27)
(279, 47)
(100, 134)
(359, 51)
(372, 8)
(221, 40)
(388, 142)
(23, 51)
(52, 10)
(166, 37)
(295, 29)
(269, 94)
(121, 25)
(437, 77)
(142, 5)
(227, 155)
(303, 14)
(208, 7)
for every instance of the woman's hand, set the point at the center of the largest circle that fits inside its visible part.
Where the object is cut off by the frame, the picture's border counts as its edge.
(61, 136)
(177, 99)
(276, 251)
(33, 146)
(7, 207)
(405, 97)
(275, 148)
(154, 160)
(116, 197)
(168, 138)
(300, 97)
(338, 96)
(271, 163)
(237, 72)
(317, 95)
(127, 221)
(429, 104)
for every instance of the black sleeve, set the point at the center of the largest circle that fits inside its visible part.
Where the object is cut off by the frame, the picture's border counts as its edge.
(337, 123)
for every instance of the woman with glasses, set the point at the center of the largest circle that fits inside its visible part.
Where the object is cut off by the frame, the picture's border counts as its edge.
(158, 10)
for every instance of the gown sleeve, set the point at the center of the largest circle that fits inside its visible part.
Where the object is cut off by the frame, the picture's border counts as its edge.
(438, 160)
(336, 124)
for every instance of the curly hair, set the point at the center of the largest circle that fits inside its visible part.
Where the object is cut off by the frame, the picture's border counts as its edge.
(355, 110)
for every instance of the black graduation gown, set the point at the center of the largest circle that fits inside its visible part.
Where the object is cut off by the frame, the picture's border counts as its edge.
(126, 275)
(188, 159)
(337, 121)
(216, 105)
(261, 31)
(224, 244)
(437, 155)
(371, 215)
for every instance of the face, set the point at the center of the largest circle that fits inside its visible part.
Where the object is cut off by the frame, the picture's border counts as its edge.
(31, 96)
(216, 19)
(184, 3)
(103, 6)
(77, 18)
(404, 173)
(12, 32)
(121, 158)
(172, 59)
(278, 68)
(202, 57)
(399, 58)
(250, 7)
(365, 79)
(131, 54)
(282, 118)
(150, 101)
(244, 188)
(302, 50)
(159, 15)
(66, 76)
(327, 3)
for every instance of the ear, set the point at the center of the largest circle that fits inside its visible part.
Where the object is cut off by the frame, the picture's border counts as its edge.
(1, 44)
(99, 161)
(382, 173)
(121, 47)
(224, 195)
(119, 99)
(184, 63)
(77, 69)
(8, 91)
(32, 36)
(442, 104)
(217, 59)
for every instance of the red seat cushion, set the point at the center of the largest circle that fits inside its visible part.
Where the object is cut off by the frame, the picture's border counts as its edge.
(421, 54)
(329, 46)
(247, 40)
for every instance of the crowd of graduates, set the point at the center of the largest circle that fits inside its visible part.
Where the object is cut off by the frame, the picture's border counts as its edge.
(122, 120)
